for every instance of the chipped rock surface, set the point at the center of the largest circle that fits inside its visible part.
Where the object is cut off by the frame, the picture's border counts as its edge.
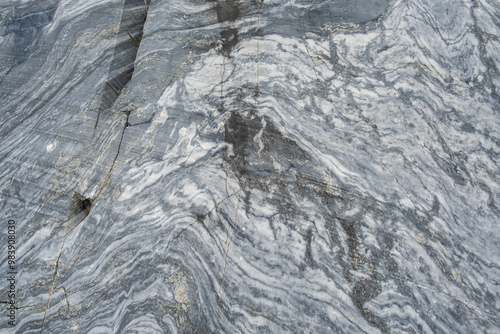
(260, 166)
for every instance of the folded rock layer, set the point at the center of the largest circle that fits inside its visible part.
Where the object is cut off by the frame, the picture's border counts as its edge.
(261, 166)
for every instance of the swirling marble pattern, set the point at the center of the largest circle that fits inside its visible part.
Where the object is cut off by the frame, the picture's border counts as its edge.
(261, 166)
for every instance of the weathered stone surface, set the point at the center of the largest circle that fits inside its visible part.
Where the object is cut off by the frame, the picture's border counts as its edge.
(250, 166)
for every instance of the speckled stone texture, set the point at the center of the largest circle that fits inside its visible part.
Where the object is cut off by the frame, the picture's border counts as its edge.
(258, 166)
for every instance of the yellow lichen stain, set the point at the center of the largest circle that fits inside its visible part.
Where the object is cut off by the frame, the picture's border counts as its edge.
(85, 184)
(179, 281)
(312, 35)
(341, 27)
(180, 294)
(421, 239)
(90, 39)
(330, 186)
(456, 275)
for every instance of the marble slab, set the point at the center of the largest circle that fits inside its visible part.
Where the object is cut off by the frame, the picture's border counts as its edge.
(259, 166)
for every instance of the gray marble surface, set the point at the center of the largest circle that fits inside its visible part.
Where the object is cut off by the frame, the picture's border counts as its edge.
(259, 166)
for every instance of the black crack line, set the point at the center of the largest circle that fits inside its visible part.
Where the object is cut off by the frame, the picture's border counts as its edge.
(51, 288)
(108, 176)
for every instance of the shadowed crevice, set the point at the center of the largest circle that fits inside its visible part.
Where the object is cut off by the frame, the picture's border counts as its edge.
(129, 39)
(79, 204)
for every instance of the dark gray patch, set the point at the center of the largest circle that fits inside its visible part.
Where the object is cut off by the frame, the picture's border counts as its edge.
(435, 206)
(351, 235)
(249, 159)
(227, 10)
(391, 266)
(467, 127)
(362, 292)
(308, 255)
(387, 241)
(258, 33)
(238, 131)
(229, 38)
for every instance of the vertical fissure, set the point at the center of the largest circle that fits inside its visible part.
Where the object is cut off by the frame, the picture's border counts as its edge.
(129, 38)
